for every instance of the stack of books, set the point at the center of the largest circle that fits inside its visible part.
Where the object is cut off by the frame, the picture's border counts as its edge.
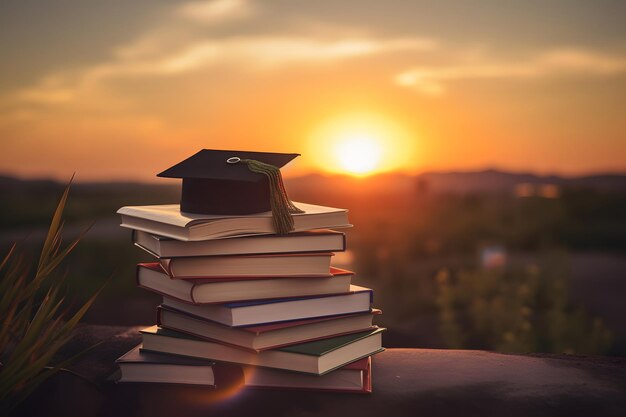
(233, 292)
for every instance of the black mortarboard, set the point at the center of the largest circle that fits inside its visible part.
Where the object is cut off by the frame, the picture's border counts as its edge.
(230, 182)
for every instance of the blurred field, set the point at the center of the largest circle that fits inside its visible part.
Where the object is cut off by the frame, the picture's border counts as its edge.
(480, 260)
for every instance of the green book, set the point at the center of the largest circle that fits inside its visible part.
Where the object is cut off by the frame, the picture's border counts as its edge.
(316, 357)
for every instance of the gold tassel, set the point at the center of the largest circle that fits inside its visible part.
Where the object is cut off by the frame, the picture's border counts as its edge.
(282, 207)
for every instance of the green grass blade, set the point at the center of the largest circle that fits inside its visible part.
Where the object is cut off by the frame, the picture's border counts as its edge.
(55, 224)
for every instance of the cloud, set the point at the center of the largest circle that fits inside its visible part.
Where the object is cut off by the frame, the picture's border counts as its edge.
(48, 91)
(431, 80)
(265, 52)
(179, 46)
(215, 11)
(145, 58)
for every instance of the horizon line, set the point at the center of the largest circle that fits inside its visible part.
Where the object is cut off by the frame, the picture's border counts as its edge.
(458, 171)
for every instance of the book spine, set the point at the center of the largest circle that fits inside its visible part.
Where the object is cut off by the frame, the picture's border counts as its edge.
(158, 316)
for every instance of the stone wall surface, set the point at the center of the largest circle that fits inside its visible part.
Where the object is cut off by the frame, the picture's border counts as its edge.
(407, 382)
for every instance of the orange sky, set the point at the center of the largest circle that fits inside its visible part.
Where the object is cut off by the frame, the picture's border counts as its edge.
(122, 90)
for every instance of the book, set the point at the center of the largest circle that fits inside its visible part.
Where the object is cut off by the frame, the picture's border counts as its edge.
(167, 220)
(254, 312)
(265, 337)
(141, 366)
(218, 290)
(311, 241)
(355, 377)
(317, 357)
(144, 366)
(273, 265)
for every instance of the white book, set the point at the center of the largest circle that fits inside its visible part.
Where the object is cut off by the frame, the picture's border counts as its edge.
(311, 241)
(249, 313)
(167, 220)
(269, 336)
(355, 377)
(272, 265)
(138, 366)
(200, 291)
(318, 357)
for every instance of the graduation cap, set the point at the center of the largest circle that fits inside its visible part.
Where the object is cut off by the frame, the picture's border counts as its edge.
(234, 183)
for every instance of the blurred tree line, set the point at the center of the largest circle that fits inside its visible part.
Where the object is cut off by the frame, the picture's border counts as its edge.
(419, 251)
(517, 309)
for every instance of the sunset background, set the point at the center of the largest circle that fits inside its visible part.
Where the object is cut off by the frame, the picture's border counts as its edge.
(479, 146)
(119, 90)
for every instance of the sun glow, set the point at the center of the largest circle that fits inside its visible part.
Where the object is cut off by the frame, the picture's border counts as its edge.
(358, 154)
(361, 144)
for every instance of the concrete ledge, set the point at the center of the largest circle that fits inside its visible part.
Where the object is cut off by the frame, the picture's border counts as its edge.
(407, 382)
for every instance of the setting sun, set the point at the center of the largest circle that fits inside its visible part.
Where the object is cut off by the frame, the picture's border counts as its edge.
(361, 144)
(358, 154)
